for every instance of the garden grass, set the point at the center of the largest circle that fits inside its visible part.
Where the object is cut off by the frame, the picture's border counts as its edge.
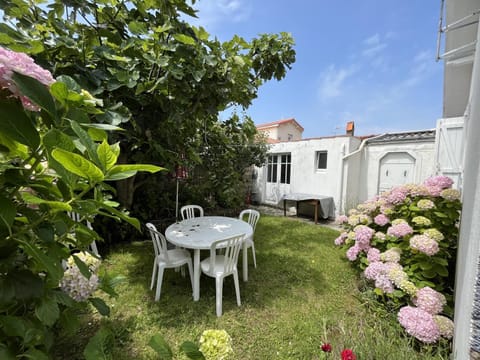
(302, 293)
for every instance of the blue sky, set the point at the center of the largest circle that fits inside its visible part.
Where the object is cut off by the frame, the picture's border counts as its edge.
(368, 61)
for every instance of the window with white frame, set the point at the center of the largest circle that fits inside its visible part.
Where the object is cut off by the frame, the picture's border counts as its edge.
(272, 168)
(285, 168)
(279, 168)
(321, 160)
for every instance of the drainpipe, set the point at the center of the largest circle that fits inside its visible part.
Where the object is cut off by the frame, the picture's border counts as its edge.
(343, 164)
(340, 181)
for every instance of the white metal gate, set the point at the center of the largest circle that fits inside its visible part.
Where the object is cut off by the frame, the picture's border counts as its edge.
(449, 144)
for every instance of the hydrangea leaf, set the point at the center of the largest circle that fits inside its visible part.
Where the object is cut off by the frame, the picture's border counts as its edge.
(78, 165)
(158, 343)
(35, 91)
(17, 125)
(47, 311)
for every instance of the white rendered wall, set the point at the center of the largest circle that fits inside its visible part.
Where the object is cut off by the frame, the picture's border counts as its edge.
(422, 152)
(469, 247)
(305, 178)
(457, 77)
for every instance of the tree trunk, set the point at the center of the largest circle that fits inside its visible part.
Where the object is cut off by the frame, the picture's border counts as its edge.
(126, 187)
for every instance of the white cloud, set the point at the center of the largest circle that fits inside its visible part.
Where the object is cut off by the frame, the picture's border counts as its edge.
(372, 40)
(422, 67)
(332, 81)
(373, 45)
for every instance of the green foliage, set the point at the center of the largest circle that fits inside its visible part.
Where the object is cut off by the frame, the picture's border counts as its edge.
(162, 80)
(49, 165)
(413, 230)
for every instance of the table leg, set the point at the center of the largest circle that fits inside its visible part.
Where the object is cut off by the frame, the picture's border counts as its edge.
(284, 207)
(316, 211)
(196, 275)
(245, 261)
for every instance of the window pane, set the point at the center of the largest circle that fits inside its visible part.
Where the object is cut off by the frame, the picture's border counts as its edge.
(321, 159)
(285, 169)
(269, 168)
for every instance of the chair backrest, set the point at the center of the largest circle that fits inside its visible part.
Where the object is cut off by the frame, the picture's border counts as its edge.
(231, 247)
(76, 217)
(252, 217)
(188, 211)
(159, 242)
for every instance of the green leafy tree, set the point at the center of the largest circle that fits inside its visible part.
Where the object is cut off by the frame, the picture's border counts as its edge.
(54, 159)
(162, 79)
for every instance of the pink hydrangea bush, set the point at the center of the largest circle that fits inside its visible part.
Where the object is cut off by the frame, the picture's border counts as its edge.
(13, 62)
(404, 242)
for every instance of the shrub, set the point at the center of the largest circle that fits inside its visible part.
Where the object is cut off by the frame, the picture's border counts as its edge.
(53, 160)
(404, 241)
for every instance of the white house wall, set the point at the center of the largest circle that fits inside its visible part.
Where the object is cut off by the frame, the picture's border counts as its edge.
(305, 178)
(422, 152)
(457, 76)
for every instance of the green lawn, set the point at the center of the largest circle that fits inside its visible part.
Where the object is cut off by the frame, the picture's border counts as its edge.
(302, 293)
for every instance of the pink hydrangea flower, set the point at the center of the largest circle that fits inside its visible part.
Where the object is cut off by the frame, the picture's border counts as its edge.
(400, 230)
(424, 244)
(419, 323)
(11, 62)
(373, 255)
(444, 182)
(374, 269)
(383, 283)
(340, 240)
(381, 220)
(434, 190)
(430, 300)
(363, 234)
(353, 252)
(341, 219)
(397, 195)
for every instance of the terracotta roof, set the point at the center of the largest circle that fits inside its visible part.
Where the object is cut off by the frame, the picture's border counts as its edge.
(422, 135)
(279, 122)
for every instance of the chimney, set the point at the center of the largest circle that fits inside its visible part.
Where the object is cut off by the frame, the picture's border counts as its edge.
(350, 128)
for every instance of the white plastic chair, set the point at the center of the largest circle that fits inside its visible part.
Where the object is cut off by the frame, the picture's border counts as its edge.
(188, 211)
(93, 245)
(252, 219)
(166, 259)
(220, 266)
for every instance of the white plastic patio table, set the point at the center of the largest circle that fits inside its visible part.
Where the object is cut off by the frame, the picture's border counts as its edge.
(199, 233)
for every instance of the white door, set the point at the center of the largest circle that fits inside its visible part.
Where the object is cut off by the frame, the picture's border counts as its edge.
(396, 168)
(449, 141)
(279, 168)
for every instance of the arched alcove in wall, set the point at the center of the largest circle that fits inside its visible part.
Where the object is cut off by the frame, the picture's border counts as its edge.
(395, 168)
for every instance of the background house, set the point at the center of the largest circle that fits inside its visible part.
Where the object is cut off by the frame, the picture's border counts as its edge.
(348, 168)
(282, 130)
